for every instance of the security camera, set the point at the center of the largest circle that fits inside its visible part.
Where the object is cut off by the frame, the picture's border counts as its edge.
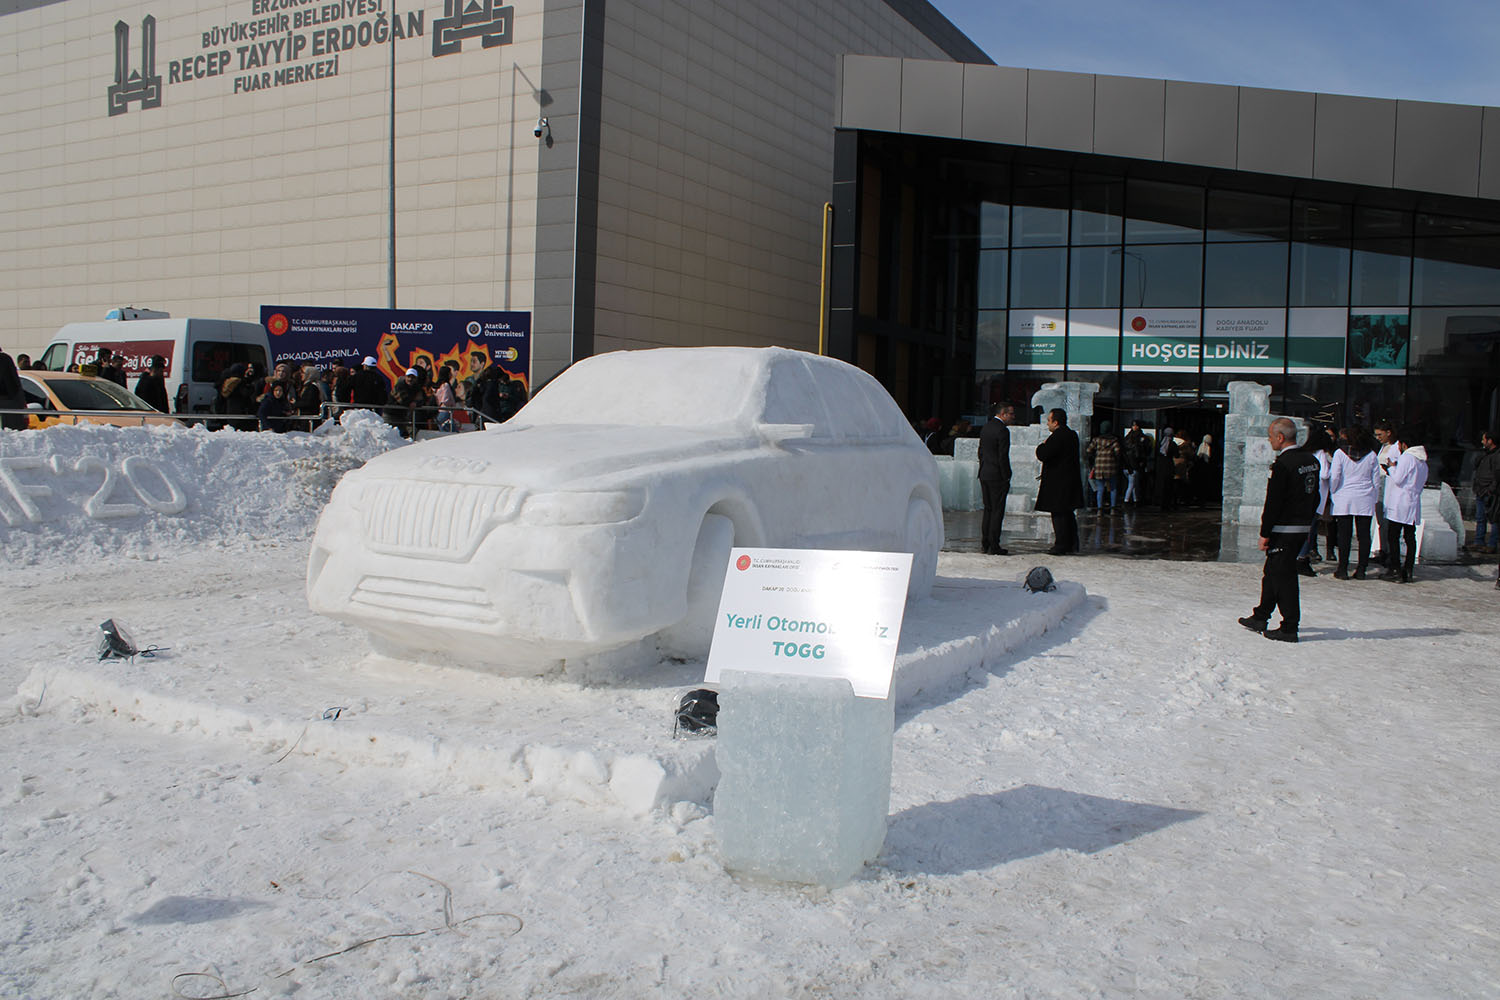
(541, 126)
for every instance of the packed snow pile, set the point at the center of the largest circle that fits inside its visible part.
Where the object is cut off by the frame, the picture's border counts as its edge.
(69, 493)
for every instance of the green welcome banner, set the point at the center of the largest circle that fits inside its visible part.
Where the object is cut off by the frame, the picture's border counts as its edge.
(1298, 340)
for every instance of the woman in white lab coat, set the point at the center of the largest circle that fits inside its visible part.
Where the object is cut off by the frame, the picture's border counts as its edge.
(1320, 444)
(1353, 490)
(1403, 504)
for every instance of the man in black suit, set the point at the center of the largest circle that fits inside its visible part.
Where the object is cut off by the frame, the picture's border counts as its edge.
(1061, 489)
(994, 476)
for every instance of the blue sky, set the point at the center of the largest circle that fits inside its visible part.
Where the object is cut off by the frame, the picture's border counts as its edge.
(1438, 50)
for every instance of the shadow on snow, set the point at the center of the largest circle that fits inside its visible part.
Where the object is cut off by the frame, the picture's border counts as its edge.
(193, 910)
(979, 832)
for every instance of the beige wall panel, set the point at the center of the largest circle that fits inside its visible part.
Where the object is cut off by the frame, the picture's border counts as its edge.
(223, 199)
(709, 215)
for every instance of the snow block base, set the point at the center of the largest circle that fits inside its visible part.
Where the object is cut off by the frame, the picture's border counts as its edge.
(606, 746)
(806, 777)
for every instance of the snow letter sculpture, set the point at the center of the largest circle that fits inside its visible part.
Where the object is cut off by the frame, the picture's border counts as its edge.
(604, 512)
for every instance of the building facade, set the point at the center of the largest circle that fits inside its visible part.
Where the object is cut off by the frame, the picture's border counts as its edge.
(999, 228)
(632, 172)
(639, 173)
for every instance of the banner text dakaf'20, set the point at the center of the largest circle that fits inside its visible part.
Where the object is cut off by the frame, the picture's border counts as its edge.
(325, 336)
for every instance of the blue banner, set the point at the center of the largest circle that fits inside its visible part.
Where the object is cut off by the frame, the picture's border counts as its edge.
(395, 338)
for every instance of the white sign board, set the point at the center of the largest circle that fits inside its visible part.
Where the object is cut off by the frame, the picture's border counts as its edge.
(812, 613)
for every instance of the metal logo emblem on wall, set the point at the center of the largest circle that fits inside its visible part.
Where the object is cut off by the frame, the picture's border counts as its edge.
(144, 85)
(466, 18)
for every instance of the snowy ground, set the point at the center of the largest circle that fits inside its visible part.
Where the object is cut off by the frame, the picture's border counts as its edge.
(1144, 800)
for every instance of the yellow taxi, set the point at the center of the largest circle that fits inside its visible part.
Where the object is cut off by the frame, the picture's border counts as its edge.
(67, 398)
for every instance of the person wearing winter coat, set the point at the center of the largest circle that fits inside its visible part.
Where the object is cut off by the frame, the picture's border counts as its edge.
(274, 409)
(1385, 434)
(152, 385)
(310, 399)
(12, 395)
(960, 429)
(446, 399)
(1291, 498)
(105, 366)
(1403, 504)
(1138, 451)
(245, 397)
(994, 477)
(931, 434)
(226, 383)
(1166, 462)
(1104, 467)
(500, 396)
(369, 387)
(1061, 489)
(1320, 444)
(341, 385)
(1354, 483)
(1206, 473)
(404, 411)
(1486, 494)
(234, 396)
(1182, 469)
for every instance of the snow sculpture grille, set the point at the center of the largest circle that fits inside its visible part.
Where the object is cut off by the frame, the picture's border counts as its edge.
(436, 600)
(437, 520)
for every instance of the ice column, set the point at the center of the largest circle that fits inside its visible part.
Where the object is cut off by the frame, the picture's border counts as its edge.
(805, 777)
(1076, 399)
(958, 477)
(1024, 468)
(1248, 417)
(1247, 464)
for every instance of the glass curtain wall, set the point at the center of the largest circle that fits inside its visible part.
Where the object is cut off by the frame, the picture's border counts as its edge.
(1168, 292)
(1352, 304)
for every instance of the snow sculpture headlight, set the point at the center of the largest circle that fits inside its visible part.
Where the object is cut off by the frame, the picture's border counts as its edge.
(609, 507)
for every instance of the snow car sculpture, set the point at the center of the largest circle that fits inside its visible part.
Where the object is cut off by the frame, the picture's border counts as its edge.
(604, 512)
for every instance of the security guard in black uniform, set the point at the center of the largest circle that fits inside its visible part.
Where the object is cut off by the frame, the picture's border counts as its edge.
(1291, 501)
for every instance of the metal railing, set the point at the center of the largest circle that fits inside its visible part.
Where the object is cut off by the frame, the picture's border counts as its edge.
(416, 417)
(143, 417)
(415, 420)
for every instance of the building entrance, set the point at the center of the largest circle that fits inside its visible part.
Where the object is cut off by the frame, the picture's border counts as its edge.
(1183, 477)
(1200, 433)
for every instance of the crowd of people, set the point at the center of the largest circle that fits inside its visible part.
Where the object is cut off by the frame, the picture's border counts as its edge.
(297, 397)
(1179, 470)
(1364, 479)
(424, 398)
(1340, 490)
(1174, 470)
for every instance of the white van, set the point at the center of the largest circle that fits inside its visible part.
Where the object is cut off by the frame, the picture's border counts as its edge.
(197, 350)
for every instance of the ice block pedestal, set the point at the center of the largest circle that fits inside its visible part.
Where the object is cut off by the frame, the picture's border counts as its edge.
(805, 777)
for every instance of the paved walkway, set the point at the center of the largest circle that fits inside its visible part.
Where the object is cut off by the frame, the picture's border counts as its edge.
(1191, 533)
